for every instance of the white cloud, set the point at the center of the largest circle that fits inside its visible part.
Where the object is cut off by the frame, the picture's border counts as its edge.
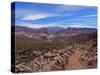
(36, 16)
(26, 14)
(78, 25)
(93, 15)
(30, 25)
(69, 8)
(81, 26)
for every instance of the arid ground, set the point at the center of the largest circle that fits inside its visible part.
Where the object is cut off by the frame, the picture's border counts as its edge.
(40, 50)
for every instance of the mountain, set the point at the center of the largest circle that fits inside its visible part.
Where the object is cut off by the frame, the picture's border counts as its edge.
(71, 31)
(45, 30)
(56, 29)
(50, 32)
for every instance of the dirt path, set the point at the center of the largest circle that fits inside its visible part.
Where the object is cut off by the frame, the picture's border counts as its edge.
(73, 61)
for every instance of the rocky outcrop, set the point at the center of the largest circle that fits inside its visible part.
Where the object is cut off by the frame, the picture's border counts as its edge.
(51, 61)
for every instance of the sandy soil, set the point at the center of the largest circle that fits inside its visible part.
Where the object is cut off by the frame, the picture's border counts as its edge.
(74, 63)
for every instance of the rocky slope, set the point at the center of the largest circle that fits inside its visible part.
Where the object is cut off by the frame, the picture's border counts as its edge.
(77, 52)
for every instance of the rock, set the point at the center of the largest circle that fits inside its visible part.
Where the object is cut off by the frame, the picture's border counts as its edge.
(49, 54)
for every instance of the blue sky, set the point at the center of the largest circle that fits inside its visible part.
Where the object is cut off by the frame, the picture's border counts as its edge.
(38, 15)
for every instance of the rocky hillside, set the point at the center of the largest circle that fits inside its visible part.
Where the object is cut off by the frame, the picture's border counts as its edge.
(77, 52)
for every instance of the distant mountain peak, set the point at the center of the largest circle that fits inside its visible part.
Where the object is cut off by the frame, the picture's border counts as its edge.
(53, 29)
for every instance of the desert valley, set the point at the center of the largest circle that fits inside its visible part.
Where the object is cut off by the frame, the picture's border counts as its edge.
(54, 48)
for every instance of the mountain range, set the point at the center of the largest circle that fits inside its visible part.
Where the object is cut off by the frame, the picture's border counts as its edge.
(51, 32)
